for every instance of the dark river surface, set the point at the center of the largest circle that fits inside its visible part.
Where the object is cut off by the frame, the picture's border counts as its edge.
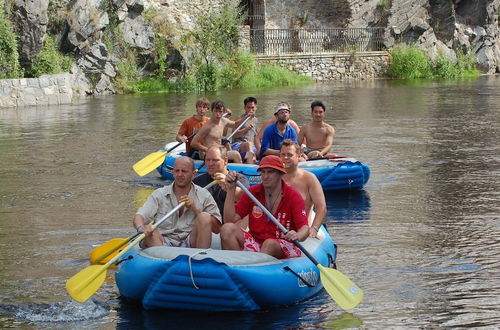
(422, 239)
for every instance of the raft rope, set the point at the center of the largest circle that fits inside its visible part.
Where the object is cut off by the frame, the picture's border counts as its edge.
(191, 268)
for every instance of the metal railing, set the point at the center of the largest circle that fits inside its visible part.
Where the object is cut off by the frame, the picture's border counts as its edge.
(285, 41)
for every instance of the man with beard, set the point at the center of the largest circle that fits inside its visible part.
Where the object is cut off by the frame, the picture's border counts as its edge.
(276, 133)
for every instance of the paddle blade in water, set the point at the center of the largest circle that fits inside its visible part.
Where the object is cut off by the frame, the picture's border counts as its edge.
(149, 163)
(103, 253)
(345, 293)
(85, 283)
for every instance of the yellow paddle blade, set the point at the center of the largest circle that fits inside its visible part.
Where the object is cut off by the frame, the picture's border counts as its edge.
(345, 293)
(149, 163)
(103, 253)
(85, 283)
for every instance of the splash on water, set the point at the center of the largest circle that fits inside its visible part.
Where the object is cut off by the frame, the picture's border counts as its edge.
(68, 311)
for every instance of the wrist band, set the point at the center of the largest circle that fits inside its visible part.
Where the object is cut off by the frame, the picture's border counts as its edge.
(316, 228)
(138, 228)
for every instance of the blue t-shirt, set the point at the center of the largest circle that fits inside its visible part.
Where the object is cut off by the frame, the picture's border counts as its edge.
(272, 138)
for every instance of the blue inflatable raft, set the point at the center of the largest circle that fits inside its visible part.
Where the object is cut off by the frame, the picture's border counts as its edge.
(333, 174)
(221, 280)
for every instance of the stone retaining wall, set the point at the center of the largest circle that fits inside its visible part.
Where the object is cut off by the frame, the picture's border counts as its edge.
(338, 66)
(46, 90)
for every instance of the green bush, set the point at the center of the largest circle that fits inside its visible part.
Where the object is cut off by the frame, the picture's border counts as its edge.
(444, 67)
(273, 75)
(49, 60)
(9, 57)
(127, 74)
(409, 62)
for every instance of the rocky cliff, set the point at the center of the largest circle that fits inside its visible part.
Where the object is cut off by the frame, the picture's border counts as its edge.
(96, 32)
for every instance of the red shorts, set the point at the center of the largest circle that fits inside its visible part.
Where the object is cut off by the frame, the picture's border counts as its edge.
(289, 249)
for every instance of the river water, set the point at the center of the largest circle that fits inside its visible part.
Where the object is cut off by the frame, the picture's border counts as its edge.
(422, 239)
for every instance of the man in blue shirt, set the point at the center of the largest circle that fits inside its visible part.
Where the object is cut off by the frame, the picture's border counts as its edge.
(276, 133)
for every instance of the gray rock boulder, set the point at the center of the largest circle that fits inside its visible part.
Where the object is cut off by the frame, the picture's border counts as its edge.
(30, 21)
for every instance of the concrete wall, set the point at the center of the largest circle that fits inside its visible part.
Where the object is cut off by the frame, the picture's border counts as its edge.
(340, 66)
(46, 90)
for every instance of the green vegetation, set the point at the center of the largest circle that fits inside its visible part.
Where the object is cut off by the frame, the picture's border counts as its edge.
(9, 58)
(49, 60)
(215, 61)
(410, 62)
(384, 4)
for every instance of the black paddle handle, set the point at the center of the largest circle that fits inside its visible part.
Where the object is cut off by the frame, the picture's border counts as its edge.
(276, 222)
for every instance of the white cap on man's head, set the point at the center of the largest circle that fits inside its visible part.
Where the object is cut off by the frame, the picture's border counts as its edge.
(281, 106)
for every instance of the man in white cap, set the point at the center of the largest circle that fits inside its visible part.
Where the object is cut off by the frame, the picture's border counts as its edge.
(276, 133)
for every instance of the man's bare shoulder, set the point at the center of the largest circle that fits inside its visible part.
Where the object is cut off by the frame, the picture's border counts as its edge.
(309, 178)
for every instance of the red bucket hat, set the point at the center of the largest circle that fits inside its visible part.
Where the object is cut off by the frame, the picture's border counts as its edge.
(272, 161)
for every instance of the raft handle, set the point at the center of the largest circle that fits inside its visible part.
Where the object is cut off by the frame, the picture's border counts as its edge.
(300, 277)
(124, 259)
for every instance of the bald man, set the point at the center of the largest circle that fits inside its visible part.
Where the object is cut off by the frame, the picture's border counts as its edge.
(191, 226)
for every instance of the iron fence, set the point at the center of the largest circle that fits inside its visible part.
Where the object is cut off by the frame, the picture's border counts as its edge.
(283, 41)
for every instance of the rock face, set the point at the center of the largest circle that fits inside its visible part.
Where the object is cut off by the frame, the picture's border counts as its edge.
(437, 26)
(30, 20)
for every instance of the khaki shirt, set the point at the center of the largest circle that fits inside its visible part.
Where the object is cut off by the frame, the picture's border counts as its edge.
(176, 229)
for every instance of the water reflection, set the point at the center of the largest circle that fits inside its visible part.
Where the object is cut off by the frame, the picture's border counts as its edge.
(308, 314)
(347, 206)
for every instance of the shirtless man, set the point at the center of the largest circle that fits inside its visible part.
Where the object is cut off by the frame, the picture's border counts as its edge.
(317, 134)
(274, 120)
(212, 131)
(306, 183)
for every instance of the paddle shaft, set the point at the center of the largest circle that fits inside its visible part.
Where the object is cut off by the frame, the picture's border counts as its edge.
(276, 222)
(130, 238)
(237, 129)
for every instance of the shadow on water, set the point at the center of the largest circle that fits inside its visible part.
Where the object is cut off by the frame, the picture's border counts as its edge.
(313, 313)
(347, 206)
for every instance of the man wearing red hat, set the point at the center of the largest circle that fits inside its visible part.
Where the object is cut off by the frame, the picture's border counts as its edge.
(283, 201)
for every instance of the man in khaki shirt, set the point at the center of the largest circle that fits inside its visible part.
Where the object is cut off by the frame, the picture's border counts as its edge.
(191, 225)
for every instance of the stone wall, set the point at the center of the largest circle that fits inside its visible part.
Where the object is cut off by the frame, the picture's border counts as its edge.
(46, 90)
(340, 66)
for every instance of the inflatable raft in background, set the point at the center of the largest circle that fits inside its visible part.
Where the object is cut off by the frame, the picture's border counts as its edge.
(333, 174)
(221, 280)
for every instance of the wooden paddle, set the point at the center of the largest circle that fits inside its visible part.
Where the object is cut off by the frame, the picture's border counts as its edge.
(345, 293)
(105, 252)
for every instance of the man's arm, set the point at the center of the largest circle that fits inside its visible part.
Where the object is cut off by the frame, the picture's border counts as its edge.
(237, 122)
(318, 200)
(294, 125)
(265, 148)
(230, 214)
(181, 134)
(302, 135)
(196, 143)
(329, 141)
(260, 135)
